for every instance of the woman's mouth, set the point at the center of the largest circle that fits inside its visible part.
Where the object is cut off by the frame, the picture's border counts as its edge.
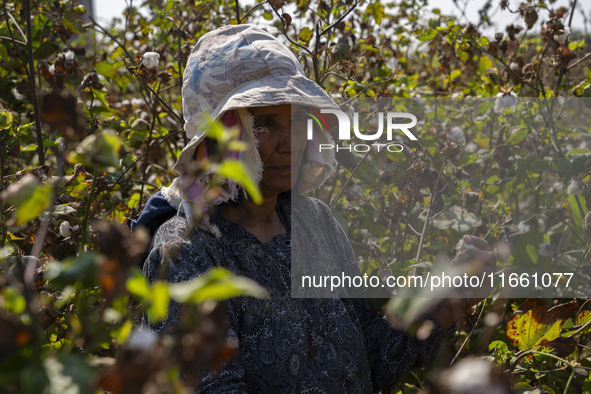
(282, 169)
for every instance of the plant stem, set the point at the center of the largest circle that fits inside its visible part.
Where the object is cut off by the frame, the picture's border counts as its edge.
(429, 213)
(332, 204)
(87, 210)
(40, 151)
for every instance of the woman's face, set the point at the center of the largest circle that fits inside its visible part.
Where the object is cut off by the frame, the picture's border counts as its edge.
(281, 151)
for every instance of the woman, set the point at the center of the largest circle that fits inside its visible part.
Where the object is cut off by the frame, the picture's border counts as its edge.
(247, 78)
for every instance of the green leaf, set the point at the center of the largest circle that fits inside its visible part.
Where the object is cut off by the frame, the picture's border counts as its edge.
(377, 10)
(102, 149)
(138, 286)
(81, 271)
(159, 301)
(217, 283)
(576, 211)
(63, 209)
(454, 74)
(134, 200)
(456, 218)
(5, 119)
(237, 171)
(107, 69)
(14, 302)
(462, 55)
(532, 252)
(305, 34)
(518, 136)
(427, 35)
(483, 41)
(29, 197)
(532, 324)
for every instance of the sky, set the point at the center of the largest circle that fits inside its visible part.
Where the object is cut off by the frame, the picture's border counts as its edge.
(106, 10)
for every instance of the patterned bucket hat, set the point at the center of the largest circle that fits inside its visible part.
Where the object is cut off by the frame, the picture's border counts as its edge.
(238, 67)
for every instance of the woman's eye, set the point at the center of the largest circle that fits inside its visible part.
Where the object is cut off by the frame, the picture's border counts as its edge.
(265, 123)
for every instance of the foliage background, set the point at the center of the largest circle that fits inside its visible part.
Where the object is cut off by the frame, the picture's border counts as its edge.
(87, 134)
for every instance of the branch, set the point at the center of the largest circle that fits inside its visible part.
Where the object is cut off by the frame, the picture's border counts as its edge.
(163, 103)
(112, 37)
(572, 65)
(429, 213)
(40, 151)
(251, 10)
(332, 204)
(10, 39)
(100, 203)
(286, 36)
(323, 32)
(17, 26)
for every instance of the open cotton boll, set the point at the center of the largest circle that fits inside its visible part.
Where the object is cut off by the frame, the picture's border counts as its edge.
(575, 187)
(65, 229)
(142, 339)
(503, 101)
(456, 134)
(17, 95)
(514, 66)
(462, 248)
(561, 38)
(150, 59)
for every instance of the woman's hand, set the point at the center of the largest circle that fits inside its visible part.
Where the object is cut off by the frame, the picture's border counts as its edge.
(477, 258)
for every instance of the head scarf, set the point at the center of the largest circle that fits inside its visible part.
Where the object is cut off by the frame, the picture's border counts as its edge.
(230, 70)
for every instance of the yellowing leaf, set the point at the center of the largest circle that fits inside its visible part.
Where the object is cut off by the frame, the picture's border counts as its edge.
(532, 324)
(237, 171)
(217, 283)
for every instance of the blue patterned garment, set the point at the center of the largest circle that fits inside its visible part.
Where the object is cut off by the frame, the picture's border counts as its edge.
(290, 345)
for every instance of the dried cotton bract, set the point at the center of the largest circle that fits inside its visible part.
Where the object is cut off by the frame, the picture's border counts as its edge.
(150, 59)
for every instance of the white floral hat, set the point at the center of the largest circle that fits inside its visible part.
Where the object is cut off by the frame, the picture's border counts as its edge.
(243, 66)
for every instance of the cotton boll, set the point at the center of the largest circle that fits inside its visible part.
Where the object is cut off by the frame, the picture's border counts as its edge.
(514, 66)
(51, 69)
(503, 101)
(545, 249)
(150, 59)
(463, 248)
(142, 339)
(69, 55)
(523, 228)
(456, 134)
(561, 38)
(575, 187)
(17, 95)
(471, 147)
(558, 186)
(65, 229)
